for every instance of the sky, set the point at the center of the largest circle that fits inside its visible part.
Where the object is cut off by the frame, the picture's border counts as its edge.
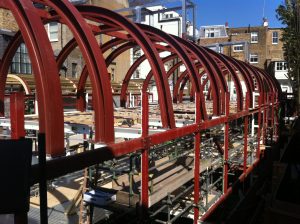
(238, 13)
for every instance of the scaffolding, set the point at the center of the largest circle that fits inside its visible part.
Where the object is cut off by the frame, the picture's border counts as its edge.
(171, 157)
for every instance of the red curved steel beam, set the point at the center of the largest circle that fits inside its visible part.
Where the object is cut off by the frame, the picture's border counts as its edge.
(149, 50)
(231, 70)
(258, 78)
(185, 58)
(114, 54)
(246, 77)
(182, 77)
(72, 44)
(5, 64)
(178, 48)
(218, 85)
(45, 72)
(84, 74)
(218, 73)
(103, 106)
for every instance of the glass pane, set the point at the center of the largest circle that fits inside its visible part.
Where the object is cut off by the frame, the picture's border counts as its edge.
(17, 57)
(23, 59)
(53, 27)
(28, 68)
(27, 59)
(23, 68)
(53, 36)
(23, 48)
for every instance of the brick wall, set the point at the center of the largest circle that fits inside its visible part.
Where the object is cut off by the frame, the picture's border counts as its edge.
(7, 21)
(264, 48)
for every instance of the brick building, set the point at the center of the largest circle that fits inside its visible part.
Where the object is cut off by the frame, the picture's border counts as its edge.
(261, 43)
(59, 36)
(261, 46)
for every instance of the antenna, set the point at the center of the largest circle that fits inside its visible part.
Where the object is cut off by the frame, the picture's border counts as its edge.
(264, 8)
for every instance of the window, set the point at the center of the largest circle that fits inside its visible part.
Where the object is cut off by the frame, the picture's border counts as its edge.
(253, 58)
(21, 63)
(275, 37)
(52, 29)
(136, 74)
(281, 66)
(112, 76)
(212, 32)
(254, 37)
(203, 78)
(74, 70)
(238, 48)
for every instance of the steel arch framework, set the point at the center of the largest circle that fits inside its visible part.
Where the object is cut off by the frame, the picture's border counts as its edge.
(197, 61)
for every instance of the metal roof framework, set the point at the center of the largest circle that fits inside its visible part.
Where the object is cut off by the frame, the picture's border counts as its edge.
(196, 59)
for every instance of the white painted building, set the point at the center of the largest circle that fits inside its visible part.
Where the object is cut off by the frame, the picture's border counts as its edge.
(280, 72)
(169, 22)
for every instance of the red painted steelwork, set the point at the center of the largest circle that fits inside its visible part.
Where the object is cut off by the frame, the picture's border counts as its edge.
(17, 115)
(145, 155)
(47, 81)
(196, 59)
(197, 158)
(152, 54)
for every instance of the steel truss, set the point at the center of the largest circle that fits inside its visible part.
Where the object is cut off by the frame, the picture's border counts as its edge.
(261, 97)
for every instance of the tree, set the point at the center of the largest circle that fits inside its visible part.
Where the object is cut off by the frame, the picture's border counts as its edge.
(289, 14)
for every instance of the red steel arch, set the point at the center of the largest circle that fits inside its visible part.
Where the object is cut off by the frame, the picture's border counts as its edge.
(45, 72)
(31, 23)
(144, 42)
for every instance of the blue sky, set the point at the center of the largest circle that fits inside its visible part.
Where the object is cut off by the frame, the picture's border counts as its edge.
(237, 13)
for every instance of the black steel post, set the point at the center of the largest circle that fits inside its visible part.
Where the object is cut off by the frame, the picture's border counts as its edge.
(42, 179)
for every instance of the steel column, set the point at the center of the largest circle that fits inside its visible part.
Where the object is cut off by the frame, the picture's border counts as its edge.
(246, 123)
(226, 145)
(17, 115)
(259, 128)
(246, 120)
(145, 153)
(197, 189)
(17, 131)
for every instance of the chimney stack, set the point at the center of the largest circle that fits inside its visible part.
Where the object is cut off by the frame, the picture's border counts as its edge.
(265, 22)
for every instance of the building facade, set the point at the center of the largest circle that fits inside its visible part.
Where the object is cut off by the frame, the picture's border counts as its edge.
(260, 46)
(59, 35)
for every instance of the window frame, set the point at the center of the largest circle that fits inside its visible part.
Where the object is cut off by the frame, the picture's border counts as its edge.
(49, 32)
(254, 37)
(275, 38)
(21, 63)
(282, 65)
(238, 45)
(74, 68)
(253, 55)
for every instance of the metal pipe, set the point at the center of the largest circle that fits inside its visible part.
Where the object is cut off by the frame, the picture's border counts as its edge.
(186, 190)
(181, 213)
(171, 160)
(194, 21)
(183, 25)
(226, 146)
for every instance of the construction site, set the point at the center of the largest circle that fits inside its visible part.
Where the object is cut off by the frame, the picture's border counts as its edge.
(200, 148)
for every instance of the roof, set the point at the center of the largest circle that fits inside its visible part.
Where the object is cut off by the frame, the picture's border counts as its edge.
(221, 28)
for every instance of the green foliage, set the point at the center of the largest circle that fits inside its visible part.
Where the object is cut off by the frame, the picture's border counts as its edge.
(289, 14)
